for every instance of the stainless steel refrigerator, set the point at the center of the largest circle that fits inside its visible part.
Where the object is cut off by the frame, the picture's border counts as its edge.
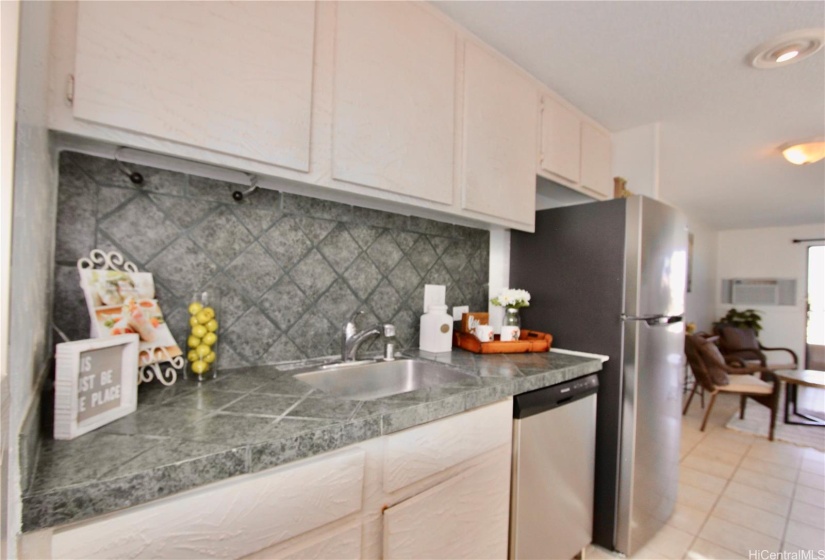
(609, 278)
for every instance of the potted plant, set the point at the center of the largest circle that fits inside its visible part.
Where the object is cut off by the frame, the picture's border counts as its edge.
(747, 319)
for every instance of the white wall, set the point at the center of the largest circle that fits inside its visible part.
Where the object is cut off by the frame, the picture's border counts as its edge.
(700, 302)
(10, 20)
(499, 272)
(34, 207)
(636, 158)
(770, 253)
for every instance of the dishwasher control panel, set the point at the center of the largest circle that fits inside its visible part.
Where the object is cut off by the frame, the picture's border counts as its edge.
(548, 398)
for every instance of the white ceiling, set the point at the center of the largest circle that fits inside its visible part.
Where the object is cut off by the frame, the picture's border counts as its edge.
(682, 64)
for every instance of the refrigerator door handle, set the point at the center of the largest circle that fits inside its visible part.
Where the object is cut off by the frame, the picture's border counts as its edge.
(654, 320)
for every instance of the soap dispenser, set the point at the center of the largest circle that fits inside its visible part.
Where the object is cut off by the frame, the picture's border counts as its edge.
(436, 330)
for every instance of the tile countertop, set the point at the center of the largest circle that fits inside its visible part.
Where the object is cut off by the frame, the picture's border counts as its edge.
(251, 419)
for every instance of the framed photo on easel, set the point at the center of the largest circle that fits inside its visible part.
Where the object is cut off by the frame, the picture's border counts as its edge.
(95, 383)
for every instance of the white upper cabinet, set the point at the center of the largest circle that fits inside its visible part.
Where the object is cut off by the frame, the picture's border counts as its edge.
(499, 138)
(596, 171)
(233, 77)
(574, 151)
(560, 140)
(394, 99)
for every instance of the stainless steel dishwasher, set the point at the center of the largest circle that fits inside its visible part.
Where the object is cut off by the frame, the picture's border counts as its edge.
(554, 448)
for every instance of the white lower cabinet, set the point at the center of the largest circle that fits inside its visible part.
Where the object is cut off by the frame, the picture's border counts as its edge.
(440, 490)
(341, 544)
(465, 517)
(230, 519)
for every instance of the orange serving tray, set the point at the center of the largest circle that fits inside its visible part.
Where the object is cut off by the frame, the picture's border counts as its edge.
(529, 341)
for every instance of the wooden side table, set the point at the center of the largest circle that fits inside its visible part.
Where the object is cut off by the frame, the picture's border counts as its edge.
(793, 380)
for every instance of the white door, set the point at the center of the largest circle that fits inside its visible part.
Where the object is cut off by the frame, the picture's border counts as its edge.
(233, 77)
(394, 100)
(815, 331)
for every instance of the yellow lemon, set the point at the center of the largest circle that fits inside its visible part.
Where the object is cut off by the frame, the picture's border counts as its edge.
(199, 367)
(193, 322)
(195, 308)
(203, 350)
(193, 342)
(210, 338)
(212, 325)
(192, 356)
(210, 358)
(203, 317)
(199, 331)
(209, 311)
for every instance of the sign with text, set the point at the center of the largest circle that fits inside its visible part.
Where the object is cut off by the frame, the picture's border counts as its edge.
(95, 383)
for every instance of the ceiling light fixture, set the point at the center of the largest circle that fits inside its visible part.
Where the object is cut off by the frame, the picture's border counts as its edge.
(787, 48)
(808, 151)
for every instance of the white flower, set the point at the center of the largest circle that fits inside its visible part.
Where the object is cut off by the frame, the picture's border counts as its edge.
(512, 298)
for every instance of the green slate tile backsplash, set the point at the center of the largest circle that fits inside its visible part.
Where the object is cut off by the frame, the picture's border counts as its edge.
(290, 268)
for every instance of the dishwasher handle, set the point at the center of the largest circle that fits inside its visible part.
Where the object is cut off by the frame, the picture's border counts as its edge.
(542, 400)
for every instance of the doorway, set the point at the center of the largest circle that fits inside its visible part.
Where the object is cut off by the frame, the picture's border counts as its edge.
(815, 309)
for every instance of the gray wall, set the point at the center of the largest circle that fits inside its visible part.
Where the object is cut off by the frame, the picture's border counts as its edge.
(291, 269)
(30, 344)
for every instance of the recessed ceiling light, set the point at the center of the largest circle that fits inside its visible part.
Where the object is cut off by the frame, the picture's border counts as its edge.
(787, 48)
(787, 54)
(805, 151)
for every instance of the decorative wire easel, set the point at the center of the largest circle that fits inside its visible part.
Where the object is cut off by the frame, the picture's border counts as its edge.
(100, 260)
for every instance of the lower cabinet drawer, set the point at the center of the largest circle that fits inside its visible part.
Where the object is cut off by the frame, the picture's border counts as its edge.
(226, 520)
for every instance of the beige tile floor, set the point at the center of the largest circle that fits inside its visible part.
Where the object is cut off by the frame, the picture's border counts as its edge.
(740, 493)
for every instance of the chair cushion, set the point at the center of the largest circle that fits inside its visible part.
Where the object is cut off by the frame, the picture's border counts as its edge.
(735, 338)
(713, 360)
(747, 384)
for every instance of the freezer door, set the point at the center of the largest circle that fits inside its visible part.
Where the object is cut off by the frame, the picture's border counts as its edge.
(656, 242)
(651, 428)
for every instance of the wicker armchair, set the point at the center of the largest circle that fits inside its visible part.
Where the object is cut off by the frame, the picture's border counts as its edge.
(737, 343)
(716, 376)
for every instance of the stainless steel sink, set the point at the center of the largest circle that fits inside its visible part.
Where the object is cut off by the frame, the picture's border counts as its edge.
(364, 381)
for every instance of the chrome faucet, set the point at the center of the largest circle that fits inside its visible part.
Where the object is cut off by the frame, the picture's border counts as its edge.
(352, 339)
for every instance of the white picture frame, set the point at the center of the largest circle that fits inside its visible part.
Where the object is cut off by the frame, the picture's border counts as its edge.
(95, 383)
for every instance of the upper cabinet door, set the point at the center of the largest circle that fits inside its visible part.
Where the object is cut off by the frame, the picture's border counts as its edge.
(230, 77)
(560, 140)
(500, 119)
(596, 172)
(394, 99)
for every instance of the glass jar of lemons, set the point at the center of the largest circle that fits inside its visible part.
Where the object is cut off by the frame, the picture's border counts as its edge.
(202, 343)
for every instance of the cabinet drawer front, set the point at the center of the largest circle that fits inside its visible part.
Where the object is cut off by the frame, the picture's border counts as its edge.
(417, 453)
(228, 520)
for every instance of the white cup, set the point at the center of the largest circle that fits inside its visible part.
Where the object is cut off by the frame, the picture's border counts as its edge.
(509, 333)
(484, 333)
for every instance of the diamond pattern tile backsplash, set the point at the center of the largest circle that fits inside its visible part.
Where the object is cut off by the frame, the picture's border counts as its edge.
(291, 269)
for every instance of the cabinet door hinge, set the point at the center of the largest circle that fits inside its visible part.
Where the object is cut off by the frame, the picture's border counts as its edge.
(70, 89)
